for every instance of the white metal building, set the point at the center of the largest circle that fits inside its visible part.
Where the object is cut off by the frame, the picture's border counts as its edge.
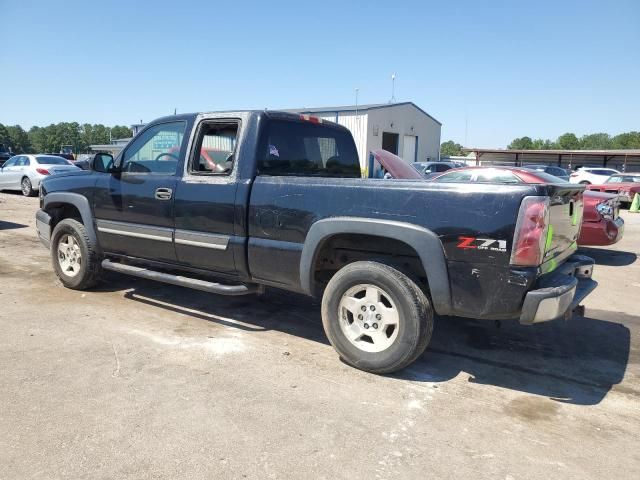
(401, 128)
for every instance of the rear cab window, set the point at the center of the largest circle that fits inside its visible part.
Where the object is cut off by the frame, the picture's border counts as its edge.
(300, 148)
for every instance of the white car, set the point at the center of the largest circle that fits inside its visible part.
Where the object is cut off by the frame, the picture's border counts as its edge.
(24, 172)
(589, 175)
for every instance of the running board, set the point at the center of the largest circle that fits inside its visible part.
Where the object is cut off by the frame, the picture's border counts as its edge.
(181, 281)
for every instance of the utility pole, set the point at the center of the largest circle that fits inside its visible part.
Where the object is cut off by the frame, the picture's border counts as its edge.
(393, 88)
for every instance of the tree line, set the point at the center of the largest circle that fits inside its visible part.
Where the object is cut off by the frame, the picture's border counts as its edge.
(49, 139)
(568, 141)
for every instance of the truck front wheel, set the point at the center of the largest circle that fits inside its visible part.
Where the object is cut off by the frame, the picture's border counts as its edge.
(75, 260)
(376, 317)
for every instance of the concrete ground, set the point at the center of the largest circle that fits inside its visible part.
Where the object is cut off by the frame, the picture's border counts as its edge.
(141, 380)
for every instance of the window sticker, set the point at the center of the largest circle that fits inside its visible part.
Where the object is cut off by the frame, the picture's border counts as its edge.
(274, 151)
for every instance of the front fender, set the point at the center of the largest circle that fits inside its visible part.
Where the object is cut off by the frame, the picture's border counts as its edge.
(81, 202)
(423, 241)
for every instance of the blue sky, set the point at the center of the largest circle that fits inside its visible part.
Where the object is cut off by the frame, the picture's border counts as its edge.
(502, 68)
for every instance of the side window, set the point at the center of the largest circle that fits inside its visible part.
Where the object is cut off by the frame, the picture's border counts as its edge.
(215, 149)
(21, 161)
(25, 161)
(309, 150)
(156, 151)
(11, 162)
(442, 168)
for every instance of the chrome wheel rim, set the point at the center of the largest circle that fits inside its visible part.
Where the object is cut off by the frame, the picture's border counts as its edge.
(69, 255)
(368, 318)
(26, 186)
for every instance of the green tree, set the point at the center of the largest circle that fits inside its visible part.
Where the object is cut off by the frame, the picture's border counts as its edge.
(5, 139)
(19, 139)
(540, 144)
(449, 148)
(626, 140)
(568, 141)
(595, 141)
(120, 131)
(522, 143)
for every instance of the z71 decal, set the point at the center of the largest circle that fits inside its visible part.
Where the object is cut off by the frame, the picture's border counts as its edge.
(482, 244)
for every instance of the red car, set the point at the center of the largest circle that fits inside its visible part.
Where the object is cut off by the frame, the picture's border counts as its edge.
(601, 224)
(625, 185)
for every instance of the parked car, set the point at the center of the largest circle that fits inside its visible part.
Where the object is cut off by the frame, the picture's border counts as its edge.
(5, 153)
(293, 212)
(25, 172)
(625, 185)
(551, 170)
(589, 175)
(429, 169)
(601, 222)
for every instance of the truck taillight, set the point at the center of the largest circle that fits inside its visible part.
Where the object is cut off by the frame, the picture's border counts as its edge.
(42, 171)
(531, 232)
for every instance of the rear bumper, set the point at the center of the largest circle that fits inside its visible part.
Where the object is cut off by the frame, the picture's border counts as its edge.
(601, 233)
(558, 293)
(43, 226)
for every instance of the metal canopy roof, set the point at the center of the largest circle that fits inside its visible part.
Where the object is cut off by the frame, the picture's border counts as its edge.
(585, 153)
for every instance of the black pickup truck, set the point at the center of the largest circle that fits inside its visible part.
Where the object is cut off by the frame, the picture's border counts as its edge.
(230, 202)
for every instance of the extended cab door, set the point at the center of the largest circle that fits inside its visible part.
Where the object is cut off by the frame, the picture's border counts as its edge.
(207, 235)
(134, 206)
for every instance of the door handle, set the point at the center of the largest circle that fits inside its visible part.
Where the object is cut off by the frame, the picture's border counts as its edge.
(163, 193)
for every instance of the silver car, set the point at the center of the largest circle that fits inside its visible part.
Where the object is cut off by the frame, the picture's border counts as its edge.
(24, 172)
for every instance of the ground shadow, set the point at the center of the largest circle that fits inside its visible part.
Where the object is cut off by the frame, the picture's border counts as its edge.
(577, 362)
(4, 225)
(611, 258)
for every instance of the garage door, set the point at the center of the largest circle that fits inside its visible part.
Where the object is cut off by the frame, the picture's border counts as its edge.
(409, 145)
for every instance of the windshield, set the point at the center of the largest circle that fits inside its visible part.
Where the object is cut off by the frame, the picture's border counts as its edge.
(623, 179)
(51, 160)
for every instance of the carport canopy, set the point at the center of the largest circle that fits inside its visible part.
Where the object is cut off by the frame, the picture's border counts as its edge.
(623, 160)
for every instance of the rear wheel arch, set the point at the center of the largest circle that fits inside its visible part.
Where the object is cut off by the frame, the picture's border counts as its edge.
(422, 241)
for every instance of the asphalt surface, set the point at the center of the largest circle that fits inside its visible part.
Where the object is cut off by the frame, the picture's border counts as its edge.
(142, 380)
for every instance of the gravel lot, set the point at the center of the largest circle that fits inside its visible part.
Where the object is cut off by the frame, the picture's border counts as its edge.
(142, 380)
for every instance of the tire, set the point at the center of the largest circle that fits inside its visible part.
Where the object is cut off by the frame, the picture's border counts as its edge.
(27, 188)
(585, 182)
(388, 348)
(78, 275)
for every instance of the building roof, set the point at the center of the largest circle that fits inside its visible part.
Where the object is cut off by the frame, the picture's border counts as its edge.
(585, 153)
(358, 108)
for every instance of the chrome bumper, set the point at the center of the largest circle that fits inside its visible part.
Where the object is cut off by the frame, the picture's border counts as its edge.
(559, 293)
(43, 226)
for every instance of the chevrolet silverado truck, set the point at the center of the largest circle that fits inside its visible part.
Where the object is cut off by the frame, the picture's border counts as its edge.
(291, 210)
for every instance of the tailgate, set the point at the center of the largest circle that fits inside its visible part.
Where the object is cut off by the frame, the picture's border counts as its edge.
(565, 219)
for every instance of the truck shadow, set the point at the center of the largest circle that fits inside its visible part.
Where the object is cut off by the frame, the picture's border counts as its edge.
(4, 225)
(611, 258)
(576, 362)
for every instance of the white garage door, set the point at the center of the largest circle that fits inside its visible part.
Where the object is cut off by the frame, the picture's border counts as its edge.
(409, 148)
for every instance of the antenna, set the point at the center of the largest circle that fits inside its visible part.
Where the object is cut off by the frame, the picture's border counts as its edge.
(393, 88)
(357, 90)
(175, 110)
